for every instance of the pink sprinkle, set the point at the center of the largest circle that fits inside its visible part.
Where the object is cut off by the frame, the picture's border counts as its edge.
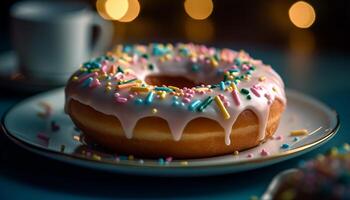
(188, 95)
(95, 82)
(186, 100)
(121, 100)
(169, 159)
(104, 68)
(264, 152)
(227, 104)
(131, 96)
(236, 98)
(143, 60)
(245, 67)
(279, 137)
(201, 92)
(255, 92)
(116, 94)
(43, 137)
(250, 155)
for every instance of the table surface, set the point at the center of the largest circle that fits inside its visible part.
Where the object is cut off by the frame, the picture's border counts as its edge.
(24, 175)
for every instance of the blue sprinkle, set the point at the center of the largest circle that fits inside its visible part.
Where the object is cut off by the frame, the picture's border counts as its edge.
(161, 161)
(193, 106)
(176, 103)
(127, 49)
(295, 139)
(233, 70)
(87, 64)
(195, 68)
(138, 101)
(95, 65)
(149, 98)
(163, 89)
(285, 146)
(183, 104)
(238, 61)
(87, 82)
(175, 98)
(222, 85)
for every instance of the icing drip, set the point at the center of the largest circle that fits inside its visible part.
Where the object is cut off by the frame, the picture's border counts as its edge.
(114, 84)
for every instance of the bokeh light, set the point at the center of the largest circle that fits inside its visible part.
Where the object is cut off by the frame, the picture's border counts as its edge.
(112, 9)
(133, 11)
(101, 9)
(199, 9)
(302, 14)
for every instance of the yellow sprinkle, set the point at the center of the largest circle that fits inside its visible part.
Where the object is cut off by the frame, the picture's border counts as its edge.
(214, 63)
(96, 157)
(168, 56)
(108, 88)
(130, 157)
(235, 153)
(154, 110)
(109, 83)
(126, 85)
(299, 132)
(123, 62)
(162, 59)
(184, 162)
(83, 69)
(174, 88)
(262, 78)
(346, 146)
(139, 89)
(234, 86)
(128, 70)
(75, 78)
(162, 94)
(222, 108)
(95, 70)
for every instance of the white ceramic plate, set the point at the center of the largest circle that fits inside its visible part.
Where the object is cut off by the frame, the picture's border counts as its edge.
(26, 128)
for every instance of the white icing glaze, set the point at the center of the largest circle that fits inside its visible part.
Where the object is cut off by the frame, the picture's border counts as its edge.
(178, 117)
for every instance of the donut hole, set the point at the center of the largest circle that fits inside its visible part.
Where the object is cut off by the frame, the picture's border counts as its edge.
(177, 81)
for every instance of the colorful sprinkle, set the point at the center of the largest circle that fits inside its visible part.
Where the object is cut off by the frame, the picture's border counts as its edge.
(264, 152)
(222, 108)
(194, 104)
(284, 146)
(205, 103)
(149, 98)
(299, 132)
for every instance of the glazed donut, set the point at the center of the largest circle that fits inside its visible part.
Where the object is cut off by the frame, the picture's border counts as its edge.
(184, 101)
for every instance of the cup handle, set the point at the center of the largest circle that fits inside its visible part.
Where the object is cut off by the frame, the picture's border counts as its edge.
(104, 37)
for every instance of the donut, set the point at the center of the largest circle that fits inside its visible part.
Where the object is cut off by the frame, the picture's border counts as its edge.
(182, 100)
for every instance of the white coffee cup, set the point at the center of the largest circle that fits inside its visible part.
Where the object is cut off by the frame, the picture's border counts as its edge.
(52, 38)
